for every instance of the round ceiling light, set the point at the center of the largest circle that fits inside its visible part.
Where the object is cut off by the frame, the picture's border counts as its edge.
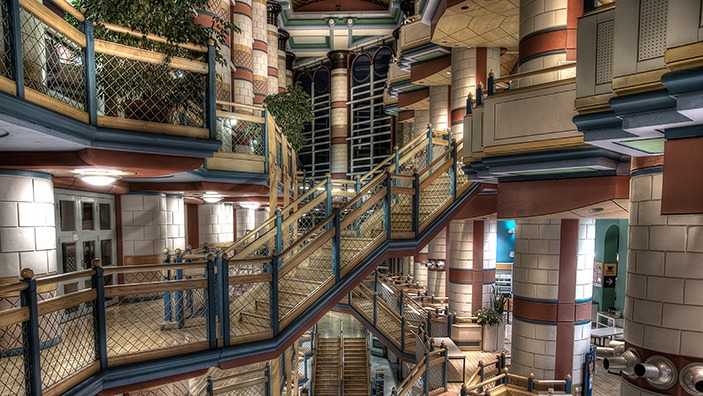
(99, 177)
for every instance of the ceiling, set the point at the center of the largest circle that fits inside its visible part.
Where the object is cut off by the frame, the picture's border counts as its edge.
(339, 5)
(478, 23)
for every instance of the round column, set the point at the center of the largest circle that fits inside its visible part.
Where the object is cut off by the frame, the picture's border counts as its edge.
(339, 94)
(216, 223)
(242, 53)
(439, 107)
(664, 288)
(245, 221)
(152, 222)
(547, 37)
(260, 54)
(273, 9)
(460, 263)
(488, 267)
(283, 80)
(27, 240)
(552, 289)
(420, 273)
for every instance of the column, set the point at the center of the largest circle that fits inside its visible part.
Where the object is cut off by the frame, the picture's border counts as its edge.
(436, 253)
(242, 53)
(547, 37)
(664, 288)
(260, 54)
(469, 67)
(215, 223)
(439, 107)
(261, 215)
(27, 240)
(339, 94)
(152, 222)
(245, 221)
(273, 9)
(552, 289)
(290, 57)
(219, 9)
(283, 80)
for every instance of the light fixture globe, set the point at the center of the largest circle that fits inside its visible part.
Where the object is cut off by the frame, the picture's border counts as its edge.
(99, 177)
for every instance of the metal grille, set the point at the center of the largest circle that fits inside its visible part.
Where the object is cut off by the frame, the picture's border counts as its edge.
(249, 302)
(251, 390)
(417, 162)
(6, 67)
(150, 92)
(243, 137)
(315, 154)
(652, 30)
(12, 374)
(68, 342)
(149, 322)
(402, 213)
(434, 196)
(53, 64)
(418, 388)
(604, 52)
(435, 376)
(363, 232)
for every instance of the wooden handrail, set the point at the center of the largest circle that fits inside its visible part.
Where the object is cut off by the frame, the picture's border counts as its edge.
(67, 7)
(11, 288)
(249, 235)
(377, 167)
(242, 105)
(436, 161)
(407, 156)
(435, 175)
(364, 190)
(486, 382)
(130, 269)
(240, 116)
(350, 218)
(157, 58)
(68, 276)
(300, 199)
(152, 37)
(65, 301)
(154, 287)
(54, 21)
(13, 316)
(306, 208)
(307, 235)
(531, 73)
(291, 263)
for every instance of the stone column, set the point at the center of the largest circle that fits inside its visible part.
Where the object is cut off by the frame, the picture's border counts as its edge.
(439, 107)
(242, 54)
(283, 80)
(216, 223)
(547, 37)
(152, 222)
(245, 221)
(552, 289)
(664, 295)
(273, 9)
(261, 215)
(339, 120)
(260, 54)
(469, 67)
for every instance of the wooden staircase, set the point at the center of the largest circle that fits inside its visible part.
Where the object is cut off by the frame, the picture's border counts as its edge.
(356, 367)
(327, 367)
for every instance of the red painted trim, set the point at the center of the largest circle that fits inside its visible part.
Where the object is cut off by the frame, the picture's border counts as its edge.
(478, 241)
(193, 226)
(637, 163)
(420, 71)
(72, 183)
(568, 254)
(338, 104)
(259, 45)
(406, 115)
(272, 71)
(482, 66)
(458, 116)
(409, 98)
(573, 12)
(564, 360)
(338, 175)
(175, 187)
(421, 256)
(544, 42)
(242, 74)
(461, 275)
(259, 98)
(153, 383)
(344, 6)
(682, 186)
(550, 312)
(338, 140)
(242, 8)
(482, 206)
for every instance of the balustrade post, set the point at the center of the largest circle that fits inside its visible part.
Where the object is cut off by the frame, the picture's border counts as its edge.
(402, 334)
(426, 383)
(375, 308)
(211, 302)
(491, 83)
(273, 305)
(481, 375)
(97, 282)
(452, 171)
(445, 366)
(266, 142)
(429, 322)
(91, 95)
(389, 198)
(416, 205)
(430, 143)
(328, 198)
(569, 384)
(531, 382)
(401, 307)
(479, 94)
(210, 386)
(464, 392)
(267, 374)
(469, 103)
(450, 320)
(168, 310)
(211, 91)
(396, 159)
(223, 268)
(279, 231)
(336, 244)
(16, 46)
(30, 335)
(179, 295)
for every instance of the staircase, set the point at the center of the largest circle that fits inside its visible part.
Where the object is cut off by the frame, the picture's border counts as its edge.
(356, 367)
(327, 367)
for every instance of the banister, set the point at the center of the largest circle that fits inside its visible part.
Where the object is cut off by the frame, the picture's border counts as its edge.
(306, 208)
(156, 58)
(242, 105)
(149, 36)
(251, 234)
(240, 116)
(130, 269)
(66, 277)
(54, 21)
(435, 175)
(307, 235)
(379, 179)
(11, 288)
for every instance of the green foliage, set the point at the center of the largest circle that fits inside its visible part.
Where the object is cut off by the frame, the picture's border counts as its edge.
(488, 317)
(499, 300)
(291, 109)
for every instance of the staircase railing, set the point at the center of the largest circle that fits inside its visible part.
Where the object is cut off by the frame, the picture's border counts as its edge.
(428, 377)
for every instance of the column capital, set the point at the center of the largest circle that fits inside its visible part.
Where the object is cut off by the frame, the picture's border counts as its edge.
(408, 7)
(338, 58)
(290, 57)
(272, 11)
(283, 37)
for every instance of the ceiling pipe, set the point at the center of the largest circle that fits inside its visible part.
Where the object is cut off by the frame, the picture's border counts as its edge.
(659, 371)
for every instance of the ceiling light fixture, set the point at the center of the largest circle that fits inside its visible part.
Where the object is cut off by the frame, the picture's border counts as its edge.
(99, 177)
(249, 205)
(212, 197)
(595, 210)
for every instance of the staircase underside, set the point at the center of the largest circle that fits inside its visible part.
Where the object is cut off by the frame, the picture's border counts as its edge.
(168, 369)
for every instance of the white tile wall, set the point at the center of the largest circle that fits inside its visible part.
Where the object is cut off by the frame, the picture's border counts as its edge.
(439, 106)
(216, 223)
(460, 255)
(151, 223)
(665, 276)
(437, 248)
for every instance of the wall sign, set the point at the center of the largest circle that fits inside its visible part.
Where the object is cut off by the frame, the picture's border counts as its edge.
(597, 274)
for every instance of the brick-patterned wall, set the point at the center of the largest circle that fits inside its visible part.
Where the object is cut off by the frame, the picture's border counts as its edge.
(339, 91)
(151, 223)
(242, 53)
(437, 248)
(536, 268)
(460, 258)
(216, 223)
(245, 221)
(439, 107)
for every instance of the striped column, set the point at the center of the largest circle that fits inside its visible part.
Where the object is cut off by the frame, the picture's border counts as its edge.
(219, 9)
(547, 37)
(439, 107)
(339, 94)
(436, 252)
(215, 223)
(272, 11)
(242, 53)
(260, 54)
(283, 80)
(422, 118)
(420, 272)
(469, 67)
(664, 287)
(472, 252)
(552, 289)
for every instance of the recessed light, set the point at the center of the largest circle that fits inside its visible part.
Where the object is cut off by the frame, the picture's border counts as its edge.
(465, 8)
(99, 177)
(595, 210)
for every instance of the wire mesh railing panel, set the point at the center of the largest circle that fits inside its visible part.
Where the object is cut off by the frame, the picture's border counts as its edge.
(6, 66)
(389, 324)
(410, 339)
(152, 321)
(144, 91)
(53, 64)
(12, 373)
(462, 179)
(434, 196)
(249, 301)
(363, 232)
(388, 297)
(436, 375)
(415, 164)
(251, 390)
(362, 304)
(301, 282)
(402, 213)
(68, 339)
(263, 244)
(418, 388)
(243, 137)
(439, 328)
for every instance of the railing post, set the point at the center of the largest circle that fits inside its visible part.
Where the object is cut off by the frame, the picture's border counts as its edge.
(168, 310)
(279, 231)
(464, 392)
(491, 83)
(469, 103)
(336, 244)
(267, 374)
(445, 366)
(211, 92)
(389, 198)
(402, 334)
(452, 171)
(429, 322)
(427, 373)
(479, 94)
(416, 205)
(210, 386)
(30, 335)
(328, 198)
(375, 308)
(531, 383)
(429, 144)
(16, 46)
(90, 70)
(211, 302)
(273, 305)
(180, 307)
(100, 327)
(357, 190)
(223, 268)
(266, 140)
(569, 384)
(401, 307)
(450, 321)
(396, 159)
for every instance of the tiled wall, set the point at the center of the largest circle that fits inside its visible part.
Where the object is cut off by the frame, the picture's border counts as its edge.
(422, 118)
(533, 349)
(437, 248)
(439, 107)
(461, 257)
(245, 221)
(420, 273)
(216, 223)
(664, 304)
(272, 41)
(437, 283)
(151, 223)
(536, 268)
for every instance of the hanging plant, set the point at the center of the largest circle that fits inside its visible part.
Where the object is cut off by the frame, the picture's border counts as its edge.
(291, 109)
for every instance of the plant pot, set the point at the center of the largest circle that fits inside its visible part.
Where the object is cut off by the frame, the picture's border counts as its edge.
(494, 337)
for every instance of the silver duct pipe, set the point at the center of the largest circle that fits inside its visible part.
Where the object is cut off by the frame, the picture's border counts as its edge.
(691, 379)
(625, 362)
(603, 352)
(659, 371)
(618, 347)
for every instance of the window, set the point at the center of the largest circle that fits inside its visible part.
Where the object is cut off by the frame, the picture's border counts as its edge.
(104, 214)
(67, 215)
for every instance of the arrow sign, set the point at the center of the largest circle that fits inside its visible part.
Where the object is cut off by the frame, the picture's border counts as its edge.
(609, 281)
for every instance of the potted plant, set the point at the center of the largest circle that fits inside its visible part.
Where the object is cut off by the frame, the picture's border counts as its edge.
(493, 322)
(304, 390)
(291, 109)
(151, 92)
